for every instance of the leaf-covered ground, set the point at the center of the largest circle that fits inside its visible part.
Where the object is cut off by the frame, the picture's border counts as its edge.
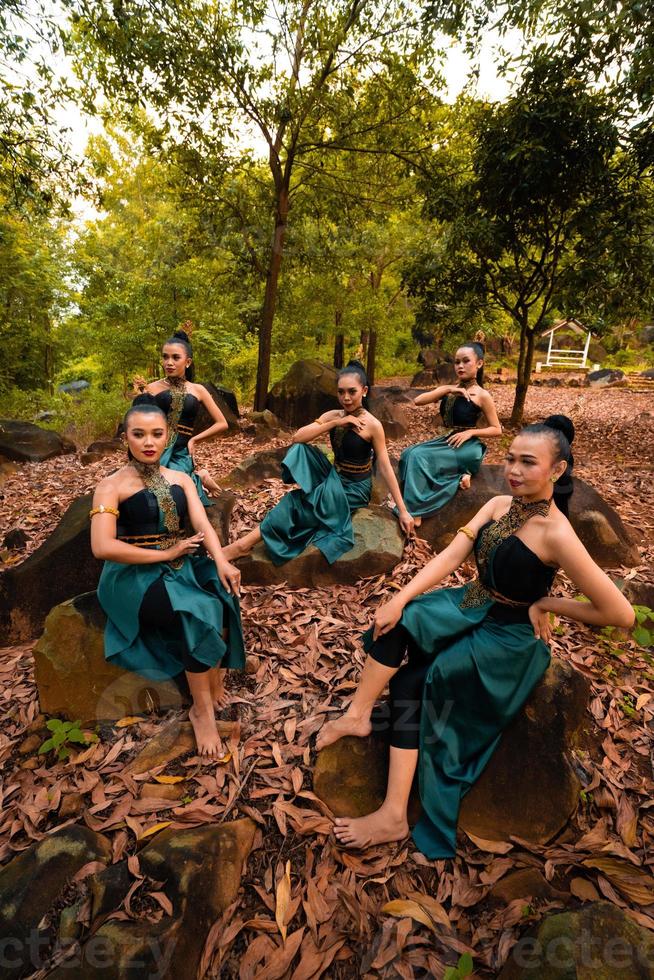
(327, 901)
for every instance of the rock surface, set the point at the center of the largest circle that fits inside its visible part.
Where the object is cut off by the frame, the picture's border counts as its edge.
(75, 681)
(226, 402)
(531, 765)
(31, 883)
(201, 869)
(527, 883)
(254, 469)
(173, 740)
(64, 567)
(28, 443)
(604, 377)
(439, 374)
(596, 522)
(387, 404)
(305, 392)
(378, 546)
(596, 942)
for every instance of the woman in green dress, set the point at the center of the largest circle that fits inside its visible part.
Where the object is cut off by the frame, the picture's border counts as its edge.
(475, 652)
(180, 400)
(431, 472)
(320, 511)
(169, 609)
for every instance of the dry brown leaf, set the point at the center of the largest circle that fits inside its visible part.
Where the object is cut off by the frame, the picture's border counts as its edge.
(283, 900)
(584, 889)
(635, 884)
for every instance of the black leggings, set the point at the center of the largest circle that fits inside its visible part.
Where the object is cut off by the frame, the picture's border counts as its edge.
(156, 612)
(406, 687)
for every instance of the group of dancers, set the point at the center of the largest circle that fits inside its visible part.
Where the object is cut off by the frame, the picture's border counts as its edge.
(459, 662)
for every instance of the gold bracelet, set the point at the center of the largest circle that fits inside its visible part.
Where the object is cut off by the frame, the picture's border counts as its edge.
(468, 533)
(317, 422)
(104, 510)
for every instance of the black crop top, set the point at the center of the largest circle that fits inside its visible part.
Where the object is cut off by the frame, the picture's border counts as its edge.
(139, 514)
(458, 411)
(515, 571)
(189, 411)
(349, 446)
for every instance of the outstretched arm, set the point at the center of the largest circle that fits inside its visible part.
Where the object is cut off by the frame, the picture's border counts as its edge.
(442, 565)
(387, 471)
(228, 574)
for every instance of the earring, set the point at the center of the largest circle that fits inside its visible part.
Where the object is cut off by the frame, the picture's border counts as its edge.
(554, 479)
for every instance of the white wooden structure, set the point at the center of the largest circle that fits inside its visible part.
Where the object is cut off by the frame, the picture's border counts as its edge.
(557, 357)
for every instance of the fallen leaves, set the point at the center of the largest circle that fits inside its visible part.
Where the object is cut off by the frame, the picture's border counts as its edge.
(307, 908)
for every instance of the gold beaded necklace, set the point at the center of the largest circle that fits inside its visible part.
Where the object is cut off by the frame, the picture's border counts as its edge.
(178, 391)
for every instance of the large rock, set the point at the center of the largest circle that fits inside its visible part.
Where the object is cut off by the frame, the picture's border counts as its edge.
(64, 567)
(596, 942)
(75, 681)
(604, 378)
(531, 766)
(28, 443)
(304, 393)
(31, 883)
(387, 404)
(378, 546)
(201, 869)
(226, 402)
(439, 374)
(596, 522)
(254, 469)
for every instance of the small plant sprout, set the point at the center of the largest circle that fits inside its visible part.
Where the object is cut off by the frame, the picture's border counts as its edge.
(65, 734)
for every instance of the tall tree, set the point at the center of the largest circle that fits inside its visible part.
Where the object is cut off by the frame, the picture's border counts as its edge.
(221, 77)
(541, 181)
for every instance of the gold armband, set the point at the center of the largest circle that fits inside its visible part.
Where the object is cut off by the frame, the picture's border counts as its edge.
(468, 533)
(104, 510)
(317, 422)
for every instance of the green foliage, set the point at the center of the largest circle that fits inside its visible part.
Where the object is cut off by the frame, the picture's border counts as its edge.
(64, 735)
(83, 418)
(464, 968)
(644, 634)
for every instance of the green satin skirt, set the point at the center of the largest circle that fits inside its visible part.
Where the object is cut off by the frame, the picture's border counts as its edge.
(206, 611)
(430, 472)
(177, 457)
(481, 674)
(318, 513)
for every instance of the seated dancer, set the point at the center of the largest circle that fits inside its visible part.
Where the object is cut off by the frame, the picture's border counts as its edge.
(168, 609)
(475, 652)
(432, 472)
(180, 400)
(320, 512)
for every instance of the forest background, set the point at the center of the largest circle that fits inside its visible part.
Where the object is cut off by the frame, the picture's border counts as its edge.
(292, 180)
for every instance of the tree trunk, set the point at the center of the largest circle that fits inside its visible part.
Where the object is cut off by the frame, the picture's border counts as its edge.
(372, 353)
(525, 361)
(270, 302)
(365, 337)
(339, 341)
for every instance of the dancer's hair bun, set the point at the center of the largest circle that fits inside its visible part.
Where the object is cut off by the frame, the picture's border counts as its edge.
(561, 423)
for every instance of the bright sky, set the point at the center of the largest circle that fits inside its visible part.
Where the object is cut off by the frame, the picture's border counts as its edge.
(490, 85)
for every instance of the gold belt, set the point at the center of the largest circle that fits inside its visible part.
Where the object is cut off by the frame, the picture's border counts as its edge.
(147, 540)
(184, 430)
(344, 467)
(478, 595)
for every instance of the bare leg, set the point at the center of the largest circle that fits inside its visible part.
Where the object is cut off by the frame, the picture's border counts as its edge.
(208, 482)
(356, 720)
(202, 716)
(389, 823)
(243, 546)
(464, 482)
(217, 683)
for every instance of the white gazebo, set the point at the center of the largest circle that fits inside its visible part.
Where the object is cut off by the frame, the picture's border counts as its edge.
(556, 357)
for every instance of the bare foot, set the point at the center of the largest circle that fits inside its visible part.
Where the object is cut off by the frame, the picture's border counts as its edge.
(347, 724)
(379, 827)
(218, 692)
(206, 734)
(417, 521)
(465, 481)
